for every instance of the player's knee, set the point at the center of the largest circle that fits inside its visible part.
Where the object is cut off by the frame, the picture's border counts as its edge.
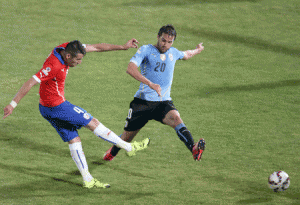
(129, 135)
(174, 121)
(95, 121)
(93, 124)
(176, 118)
(101, 130)
(74, 140)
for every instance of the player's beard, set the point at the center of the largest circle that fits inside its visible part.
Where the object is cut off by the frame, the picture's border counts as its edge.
(162, 49)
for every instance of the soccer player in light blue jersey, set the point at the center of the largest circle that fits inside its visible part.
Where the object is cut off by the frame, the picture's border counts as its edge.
(153, 100)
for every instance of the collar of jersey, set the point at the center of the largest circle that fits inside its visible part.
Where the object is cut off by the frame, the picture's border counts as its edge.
(58, 56)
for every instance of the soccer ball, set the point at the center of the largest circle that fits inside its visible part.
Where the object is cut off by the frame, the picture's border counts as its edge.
(279, 181)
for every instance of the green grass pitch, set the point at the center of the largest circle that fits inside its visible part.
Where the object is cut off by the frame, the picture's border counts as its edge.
(241, 94)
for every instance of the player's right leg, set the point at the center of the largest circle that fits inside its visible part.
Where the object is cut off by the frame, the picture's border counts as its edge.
(104, 133)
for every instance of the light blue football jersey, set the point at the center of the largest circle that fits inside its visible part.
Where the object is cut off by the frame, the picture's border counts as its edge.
(158, 68)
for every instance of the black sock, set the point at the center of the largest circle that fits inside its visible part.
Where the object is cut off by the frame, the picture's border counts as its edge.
(114, 151)
(185, 135)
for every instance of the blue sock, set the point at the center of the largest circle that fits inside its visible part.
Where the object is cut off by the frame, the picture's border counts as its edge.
(185, 136)
(178, 127)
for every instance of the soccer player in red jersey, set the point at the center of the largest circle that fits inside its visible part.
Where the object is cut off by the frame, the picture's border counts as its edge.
(65, 117)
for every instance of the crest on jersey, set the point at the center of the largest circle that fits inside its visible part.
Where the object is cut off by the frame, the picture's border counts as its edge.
(86, 116)
(170, 56)
(45, 71)
(163, 57)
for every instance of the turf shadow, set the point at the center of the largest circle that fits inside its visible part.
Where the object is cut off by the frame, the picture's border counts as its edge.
(251, 87)
(259, 192)
(23, 140)
(255, 201)
(127, 171)
(36, 172)
(66, 181)
(129, 195)
(75, 173)
(256, 191)
(287, 194)
(99, 162)
(31, 145)
(27, 170)
(36, 190)
(180, 2)
(250, 41)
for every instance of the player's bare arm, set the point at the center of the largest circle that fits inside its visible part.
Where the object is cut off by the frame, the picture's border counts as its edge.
(132, 70)
(102, 47)
(190, 53)
(21, 93)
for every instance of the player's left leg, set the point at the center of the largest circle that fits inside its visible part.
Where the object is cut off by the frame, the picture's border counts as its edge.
(173, 119)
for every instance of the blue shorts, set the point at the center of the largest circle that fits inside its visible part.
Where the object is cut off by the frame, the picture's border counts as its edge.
(66, 118)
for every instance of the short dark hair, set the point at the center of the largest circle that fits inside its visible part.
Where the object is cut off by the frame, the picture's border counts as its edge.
(75, 47)
(168, 29)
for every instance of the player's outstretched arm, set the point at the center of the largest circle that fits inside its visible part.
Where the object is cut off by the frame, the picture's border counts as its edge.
(190, 53)
(132, 70)
(101, 47)
(22, 92)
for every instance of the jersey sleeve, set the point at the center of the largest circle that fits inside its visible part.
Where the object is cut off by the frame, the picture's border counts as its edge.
(139, 56)
(179, 54)
(47, 72)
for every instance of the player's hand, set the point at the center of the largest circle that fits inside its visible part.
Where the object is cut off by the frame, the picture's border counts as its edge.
(7, 111)
(200, 47)
(156, 87)
(132, 43)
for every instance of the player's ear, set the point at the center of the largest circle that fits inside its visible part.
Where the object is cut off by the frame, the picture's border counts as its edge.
(68, 56)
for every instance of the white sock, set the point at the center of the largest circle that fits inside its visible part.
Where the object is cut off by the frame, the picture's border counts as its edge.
(108, 135)
(80, 160)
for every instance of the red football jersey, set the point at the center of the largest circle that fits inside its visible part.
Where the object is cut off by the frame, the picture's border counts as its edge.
(52, 78)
